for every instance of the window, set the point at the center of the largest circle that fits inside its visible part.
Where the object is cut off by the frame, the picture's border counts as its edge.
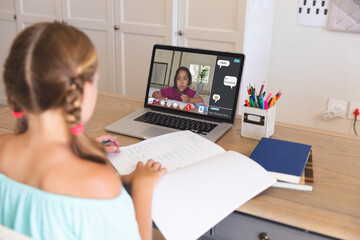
(196, 70)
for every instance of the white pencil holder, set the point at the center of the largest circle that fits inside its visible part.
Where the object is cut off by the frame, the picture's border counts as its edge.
(257, 123)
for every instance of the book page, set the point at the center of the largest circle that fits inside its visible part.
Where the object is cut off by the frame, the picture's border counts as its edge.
(173, 151)
(190, 201)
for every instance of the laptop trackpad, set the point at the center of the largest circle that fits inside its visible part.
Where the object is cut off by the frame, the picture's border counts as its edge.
(155, 131)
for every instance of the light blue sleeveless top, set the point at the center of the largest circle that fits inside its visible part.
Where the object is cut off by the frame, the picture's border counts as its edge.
(44, 215)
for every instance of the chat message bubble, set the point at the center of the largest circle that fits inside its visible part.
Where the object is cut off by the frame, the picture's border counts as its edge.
(224, 63)
(216, 97)
(230, 81)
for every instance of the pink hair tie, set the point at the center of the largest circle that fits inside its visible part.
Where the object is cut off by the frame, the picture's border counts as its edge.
(78, 129)
(18, 114)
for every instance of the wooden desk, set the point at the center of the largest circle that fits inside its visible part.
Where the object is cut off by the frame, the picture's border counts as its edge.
(333, 208)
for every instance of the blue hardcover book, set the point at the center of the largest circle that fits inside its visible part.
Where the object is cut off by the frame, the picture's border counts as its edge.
(283, 159)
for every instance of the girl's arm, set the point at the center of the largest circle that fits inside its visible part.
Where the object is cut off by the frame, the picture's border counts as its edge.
(143, 181)
(158, 95)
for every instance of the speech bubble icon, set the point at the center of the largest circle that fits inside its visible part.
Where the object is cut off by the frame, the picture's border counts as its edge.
(230, 81)
(225, 63)
(216, 97)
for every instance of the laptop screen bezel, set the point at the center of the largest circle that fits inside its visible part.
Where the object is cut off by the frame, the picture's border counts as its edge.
(191, 114)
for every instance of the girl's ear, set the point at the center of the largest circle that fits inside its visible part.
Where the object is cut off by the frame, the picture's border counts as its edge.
(88, 100)
(85, 91)
(90, 90)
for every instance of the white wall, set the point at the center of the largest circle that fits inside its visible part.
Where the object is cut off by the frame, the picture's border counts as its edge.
(310, 65)
(257, 45)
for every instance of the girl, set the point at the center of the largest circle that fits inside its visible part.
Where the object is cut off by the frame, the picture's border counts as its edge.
(55, 182)
(180, 91)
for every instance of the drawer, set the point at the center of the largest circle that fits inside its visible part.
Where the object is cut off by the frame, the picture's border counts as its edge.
(238, 226)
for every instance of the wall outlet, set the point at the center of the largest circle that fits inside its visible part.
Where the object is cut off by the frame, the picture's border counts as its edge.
(313, 12)
(352, 107)
(337, 106)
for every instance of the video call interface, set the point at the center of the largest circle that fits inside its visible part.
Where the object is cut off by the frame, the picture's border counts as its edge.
(184, 93)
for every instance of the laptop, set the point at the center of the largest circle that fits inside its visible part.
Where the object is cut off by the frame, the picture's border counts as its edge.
(204, 102)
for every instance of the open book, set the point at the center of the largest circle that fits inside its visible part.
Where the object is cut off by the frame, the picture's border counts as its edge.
(203, 185)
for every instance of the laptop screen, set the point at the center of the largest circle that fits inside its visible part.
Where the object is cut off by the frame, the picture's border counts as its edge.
(194, 82)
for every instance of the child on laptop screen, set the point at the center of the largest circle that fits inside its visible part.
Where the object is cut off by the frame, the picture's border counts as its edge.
(180, 91)
(55, 182)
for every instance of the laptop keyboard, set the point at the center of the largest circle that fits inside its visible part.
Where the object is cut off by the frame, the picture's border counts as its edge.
(176, 122)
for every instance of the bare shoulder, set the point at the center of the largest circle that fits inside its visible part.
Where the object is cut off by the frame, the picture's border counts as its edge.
(83, 178)
(101, 181)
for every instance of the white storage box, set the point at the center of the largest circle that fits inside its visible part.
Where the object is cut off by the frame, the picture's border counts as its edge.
(257, 123)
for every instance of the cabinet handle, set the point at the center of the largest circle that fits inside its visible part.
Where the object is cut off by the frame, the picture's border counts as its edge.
(15, 17)
(116, 27)
(64, 22)
(181, 33)
(264, 236)
(212, 231)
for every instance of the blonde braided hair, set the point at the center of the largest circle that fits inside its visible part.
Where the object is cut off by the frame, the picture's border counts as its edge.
(46, 69)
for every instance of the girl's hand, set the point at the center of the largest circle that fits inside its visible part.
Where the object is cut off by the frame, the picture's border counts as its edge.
(111, 144)
(147, 175)
(184, 98)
